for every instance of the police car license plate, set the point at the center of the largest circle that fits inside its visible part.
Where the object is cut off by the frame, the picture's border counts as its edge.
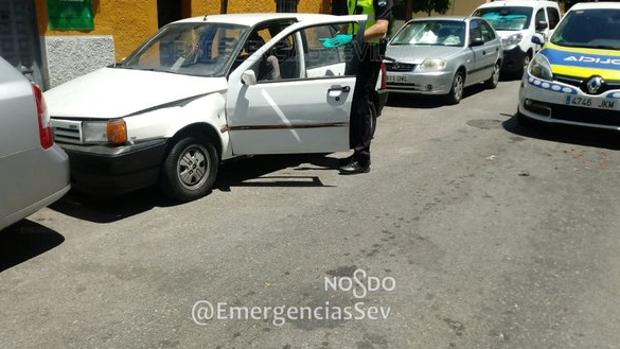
(587, 102)
(398, 79)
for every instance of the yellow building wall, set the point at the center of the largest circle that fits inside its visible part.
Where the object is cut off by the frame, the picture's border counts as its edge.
(202, 7)
(131, 22)
(458, 8)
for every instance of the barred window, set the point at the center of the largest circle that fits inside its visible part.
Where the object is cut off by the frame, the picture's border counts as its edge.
(287, 6)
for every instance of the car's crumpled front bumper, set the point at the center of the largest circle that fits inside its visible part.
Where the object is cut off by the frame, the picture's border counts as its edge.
(110, 171)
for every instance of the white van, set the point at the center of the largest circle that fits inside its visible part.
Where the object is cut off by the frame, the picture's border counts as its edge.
(516, 22)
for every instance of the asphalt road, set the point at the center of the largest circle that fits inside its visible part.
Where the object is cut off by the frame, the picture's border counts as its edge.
(497, 237)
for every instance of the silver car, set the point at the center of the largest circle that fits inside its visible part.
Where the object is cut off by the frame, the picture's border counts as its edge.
(34, 172)
(442, 56)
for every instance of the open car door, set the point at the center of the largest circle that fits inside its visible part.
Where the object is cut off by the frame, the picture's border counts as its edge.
(292, 95)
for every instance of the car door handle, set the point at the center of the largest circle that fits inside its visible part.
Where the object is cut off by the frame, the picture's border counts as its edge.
(345, 89)
(484, 53)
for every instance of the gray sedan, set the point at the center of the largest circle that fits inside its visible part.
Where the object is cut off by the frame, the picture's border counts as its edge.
(442, 56)
(34, 172)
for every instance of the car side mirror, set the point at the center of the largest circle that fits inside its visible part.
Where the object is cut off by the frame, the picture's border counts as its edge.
(249, 78)
(476, 42)
(538, 39)
(541, 25)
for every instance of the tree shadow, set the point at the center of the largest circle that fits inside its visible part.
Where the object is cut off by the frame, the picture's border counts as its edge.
(584, 136)
(246, 172)
(26, 240)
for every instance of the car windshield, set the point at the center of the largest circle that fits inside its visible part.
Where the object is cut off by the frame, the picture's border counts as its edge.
(201, 49)
(590, 29)
(507, 18)
(432, 33)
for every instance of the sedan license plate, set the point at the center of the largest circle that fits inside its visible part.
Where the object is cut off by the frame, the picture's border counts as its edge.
(398, 79)
(588, 102)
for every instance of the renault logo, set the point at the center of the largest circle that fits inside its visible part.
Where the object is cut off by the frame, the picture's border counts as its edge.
(396, 66)
(595, 84)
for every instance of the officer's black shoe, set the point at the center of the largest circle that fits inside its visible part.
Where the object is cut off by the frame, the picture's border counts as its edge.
(354, 167)
(346, 161)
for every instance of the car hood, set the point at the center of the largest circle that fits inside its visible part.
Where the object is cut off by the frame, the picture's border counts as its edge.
(505, 34)
(417, 54)
(583, 63)
(113, 93)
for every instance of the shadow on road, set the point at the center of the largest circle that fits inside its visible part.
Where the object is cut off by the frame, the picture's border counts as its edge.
(24, 241)
(400, 100)
(565, 134)
(253, 172)
(108, 210)
(248, 172)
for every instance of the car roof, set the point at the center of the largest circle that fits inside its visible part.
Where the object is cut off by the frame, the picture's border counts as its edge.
(252, 19)
(443, 18)
(596, 5)
(520, 3)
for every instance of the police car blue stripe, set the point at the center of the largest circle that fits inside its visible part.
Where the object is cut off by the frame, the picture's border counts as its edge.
(576, 59)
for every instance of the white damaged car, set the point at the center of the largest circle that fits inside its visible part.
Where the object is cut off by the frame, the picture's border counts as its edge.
(205, 90)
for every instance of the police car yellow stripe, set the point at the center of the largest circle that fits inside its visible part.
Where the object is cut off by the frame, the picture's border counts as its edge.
(586, 51)
(585, 73)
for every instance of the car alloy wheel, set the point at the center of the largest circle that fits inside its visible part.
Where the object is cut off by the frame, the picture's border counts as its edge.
(458, 87)
(193, 167)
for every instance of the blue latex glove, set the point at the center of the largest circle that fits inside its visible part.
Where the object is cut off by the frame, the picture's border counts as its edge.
(337, 41)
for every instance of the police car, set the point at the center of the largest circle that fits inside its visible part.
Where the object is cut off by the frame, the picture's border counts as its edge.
(575, 79)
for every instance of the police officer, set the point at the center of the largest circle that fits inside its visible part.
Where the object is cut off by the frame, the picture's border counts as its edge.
(379, 14)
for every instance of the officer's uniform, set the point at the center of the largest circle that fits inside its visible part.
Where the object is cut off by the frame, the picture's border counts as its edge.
(368, 68)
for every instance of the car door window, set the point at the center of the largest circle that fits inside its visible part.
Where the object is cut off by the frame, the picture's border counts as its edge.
(259, 37)
(281, 62)
(321, 61)
(487, 32)
(475, 32)
(540, 17)
(554, 17)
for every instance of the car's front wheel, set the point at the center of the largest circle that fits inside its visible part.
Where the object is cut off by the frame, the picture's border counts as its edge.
(458, 87)
(190, 169)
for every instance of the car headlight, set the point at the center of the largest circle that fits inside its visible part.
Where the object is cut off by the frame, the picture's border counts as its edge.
(95, 132)
(430, 65)
(541, 68)
(112, 132)
(512, 40)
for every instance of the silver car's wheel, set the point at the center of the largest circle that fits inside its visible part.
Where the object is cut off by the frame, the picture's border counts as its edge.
(193, 167)
(458, 86)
